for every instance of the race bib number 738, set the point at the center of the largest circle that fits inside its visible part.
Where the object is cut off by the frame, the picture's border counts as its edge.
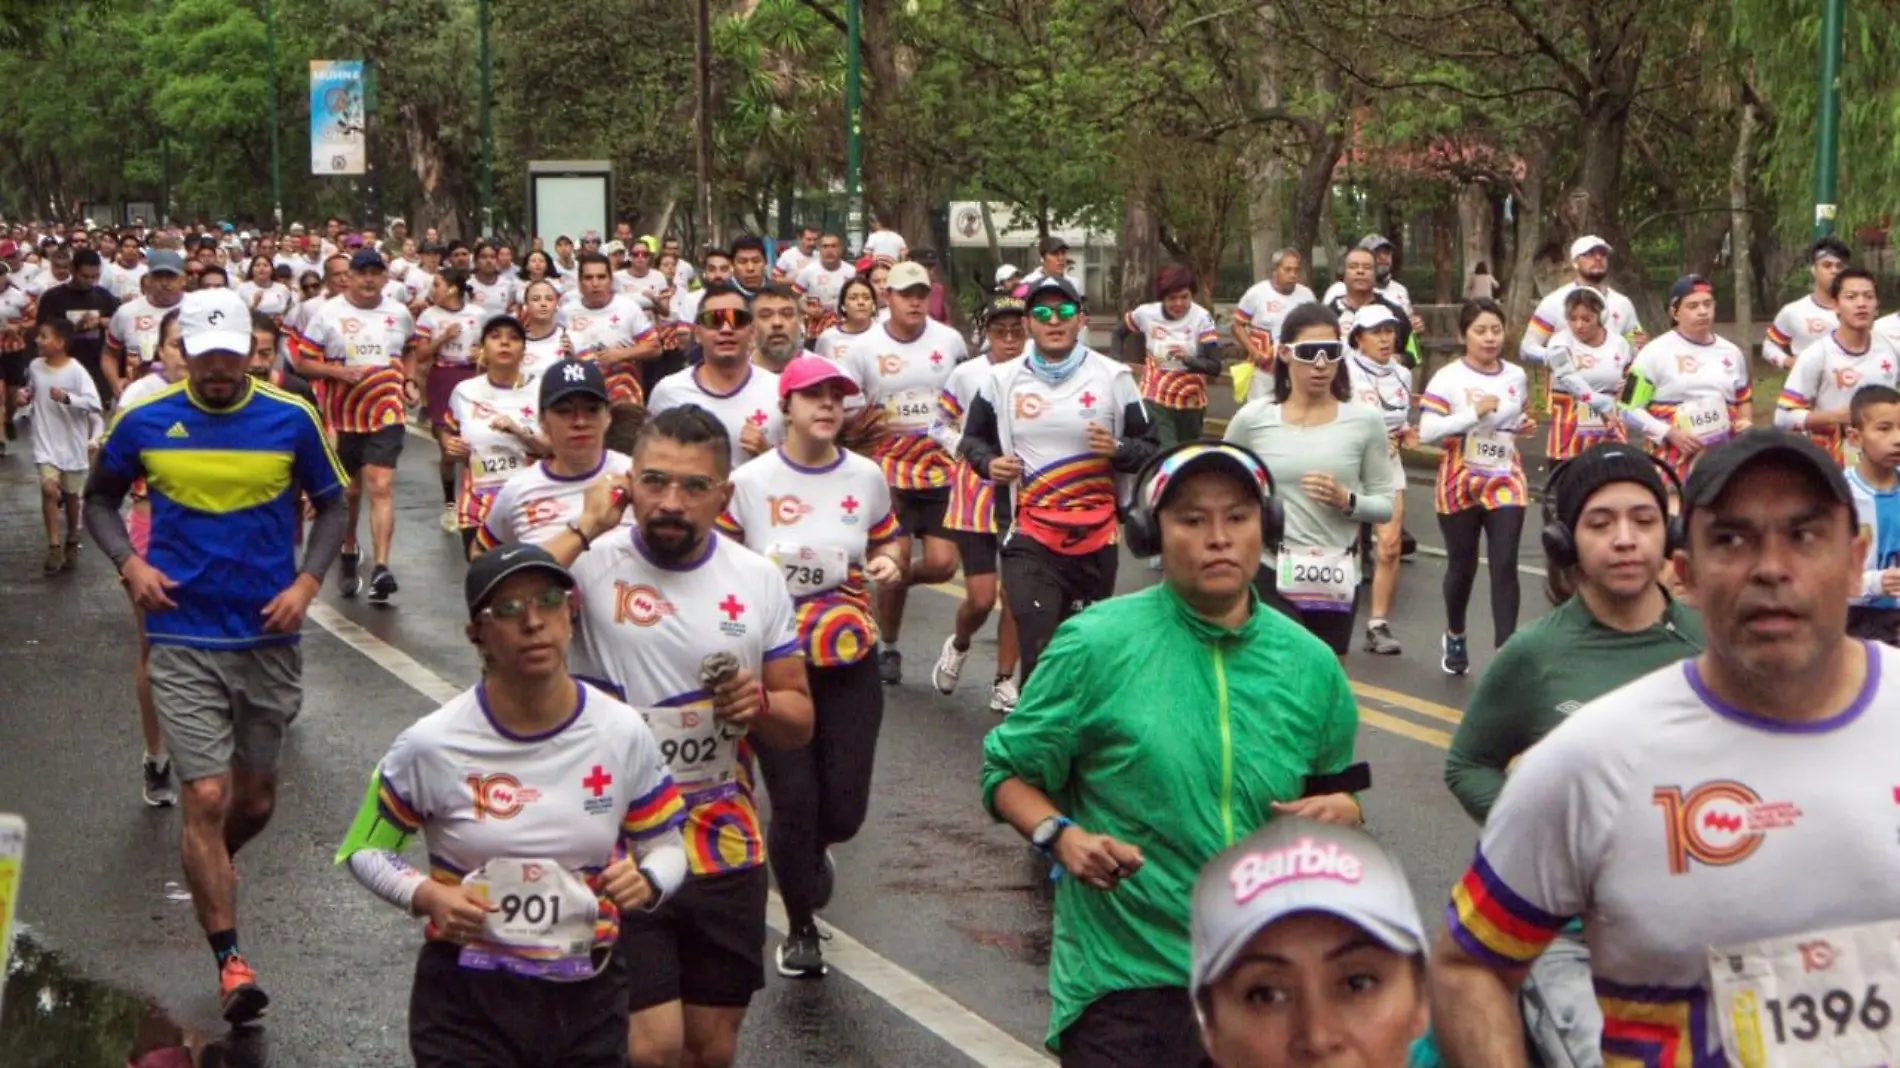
(1820, 1000)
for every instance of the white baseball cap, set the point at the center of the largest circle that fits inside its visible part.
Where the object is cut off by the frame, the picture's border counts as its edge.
(1006, 272)
(214, 320)
(1588, 243)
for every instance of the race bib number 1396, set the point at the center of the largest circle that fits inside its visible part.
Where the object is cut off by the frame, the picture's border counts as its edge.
(1810, 1001)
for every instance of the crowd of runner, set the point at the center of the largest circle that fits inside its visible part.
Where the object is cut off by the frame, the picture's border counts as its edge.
(694, 493)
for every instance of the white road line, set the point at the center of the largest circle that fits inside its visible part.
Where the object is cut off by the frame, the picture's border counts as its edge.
(936, 1011)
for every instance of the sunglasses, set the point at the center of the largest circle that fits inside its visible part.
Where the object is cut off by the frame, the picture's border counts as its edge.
(1316, 351)
(1051, 313)
(693, 487)
(721, 318)
(514, 608)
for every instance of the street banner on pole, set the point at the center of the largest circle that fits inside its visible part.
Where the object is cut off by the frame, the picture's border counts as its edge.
(336, 117)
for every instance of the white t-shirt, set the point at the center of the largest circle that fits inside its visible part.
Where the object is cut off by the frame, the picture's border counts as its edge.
(641, 289)
(836, 345)
(1263, 308)
(1385, 388)
(1693, 378)
(417, 284)
(754, 402)
(1598, 368)
(793, 260)
(1481, 444)
(905, 378)
(535, 504)
(474, 408)
(613, 325)
(134, 329)
(14, 301)
(497, 296)
(297, 264)
(62, 429)
(1393, 290)
(1672, 823)
(359, 337)
(1169, 342)
(123, 282)
(804, 516)
(1046, 427)
(1619, 317)
(1799, 324)
(1826, 376)
(539, 352)
(886, 245)
(458, 351)
(822, 284)
(275, 299)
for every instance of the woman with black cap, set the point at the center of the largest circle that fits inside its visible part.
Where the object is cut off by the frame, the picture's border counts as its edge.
(1689, 389)
(1608, 537)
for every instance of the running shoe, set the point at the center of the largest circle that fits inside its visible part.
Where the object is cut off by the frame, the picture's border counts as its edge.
(72, 555)
(1408, 545)
(1003, 695)
(1456, 659)
(800, 956)
(949, 666)
(1379, 640)
(238, 992)
(827, 881)
(55, 560)
(382, 583)
(159, 791)
(351, 583)
(449, 524)
(890, 666)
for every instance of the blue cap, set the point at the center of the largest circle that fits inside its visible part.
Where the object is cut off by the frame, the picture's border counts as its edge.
(365, 259)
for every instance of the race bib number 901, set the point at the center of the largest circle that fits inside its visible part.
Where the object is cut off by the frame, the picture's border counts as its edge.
(1810, 1001)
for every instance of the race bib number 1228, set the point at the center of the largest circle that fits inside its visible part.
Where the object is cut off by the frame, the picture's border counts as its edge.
(1810, 1001)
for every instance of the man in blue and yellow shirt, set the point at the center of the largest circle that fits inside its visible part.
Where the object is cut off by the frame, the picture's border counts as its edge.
(226, 460)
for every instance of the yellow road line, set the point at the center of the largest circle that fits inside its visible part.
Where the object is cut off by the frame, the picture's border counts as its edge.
(1409, 703)
(1405, 727)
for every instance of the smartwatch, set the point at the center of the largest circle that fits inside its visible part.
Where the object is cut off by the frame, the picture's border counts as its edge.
(1045, 835)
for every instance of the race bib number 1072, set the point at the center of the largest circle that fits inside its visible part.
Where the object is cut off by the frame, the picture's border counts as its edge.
(1811, 1001)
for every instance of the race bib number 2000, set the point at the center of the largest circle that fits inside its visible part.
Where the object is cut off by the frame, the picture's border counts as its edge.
(1823, 1000)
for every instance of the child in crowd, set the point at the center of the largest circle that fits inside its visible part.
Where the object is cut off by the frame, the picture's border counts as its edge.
(65, 410)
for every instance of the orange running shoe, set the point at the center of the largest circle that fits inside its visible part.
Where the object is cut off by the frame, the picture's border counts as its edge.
(242, 998)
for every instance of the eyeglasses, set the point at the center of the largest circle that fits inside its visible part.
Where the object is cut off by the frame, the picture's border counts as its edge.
(514, 608)
(1316, 351)
(692, 487)
(721, 318)
(1049, 313)
(1012, 332)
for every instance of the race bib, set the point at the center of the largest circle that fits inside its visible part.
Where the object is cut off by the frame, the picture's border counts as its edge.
(364, 353)
(701, 750)
(1587, 418)
(808, 570)
(543, 922)
(1490, 451)
(1318, 579)
(1810, 1001)
(1704, 417)
(911, 409)
(497, 466)
(1169, 353)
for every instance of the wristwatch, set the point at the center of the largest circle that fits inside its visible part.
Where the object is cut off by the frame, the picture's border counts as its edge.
(1045, 835)
(586, 542)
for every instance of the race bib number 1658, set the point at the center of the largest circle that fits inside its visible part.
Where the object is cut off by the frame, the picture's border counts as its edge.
(1811, 1001)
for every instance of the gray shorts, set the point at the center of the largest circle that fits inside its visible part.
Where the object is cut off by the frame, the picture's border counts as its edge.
(225, 708)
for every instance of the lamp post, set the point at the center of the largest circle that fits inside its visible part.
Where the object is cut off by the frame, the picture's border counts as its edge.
(1828, 121)
(853, 127)
(488, 129)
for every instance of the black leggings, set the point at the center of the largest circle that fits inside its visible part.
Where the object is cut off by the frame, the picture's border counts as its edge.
(1045, 587)
(1502, 529)
(821, 790)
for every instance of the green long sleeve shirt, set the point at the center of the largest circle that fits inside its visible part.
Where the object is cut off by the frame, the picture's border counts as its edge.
(1146, 723)
(1546, 671)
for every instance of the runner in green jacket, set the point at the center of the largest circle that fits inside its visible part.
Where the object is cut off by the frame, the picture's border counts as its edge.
(1163, 727)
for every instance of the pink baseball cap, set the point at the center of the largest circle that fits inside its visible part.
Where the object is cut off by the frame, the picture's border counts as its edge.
(804, 372)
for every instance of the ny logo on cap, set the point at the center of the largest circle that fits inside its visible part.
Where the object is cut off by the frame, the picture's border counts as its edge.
(574, 372)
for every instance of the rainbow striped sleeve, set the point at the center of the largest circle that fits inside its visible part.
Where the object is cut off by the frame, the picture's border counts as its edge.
(1777, 336)
(655, 814)
(395, 808)
(1242, 315)
(650, 331)
(1745, 396)
(884, 530)
(423, 330)
(1495, 925)
(950, 408)
(729, 526)
(1791, 400)
(1209, 334)
(1433, 403)
(1538, 323)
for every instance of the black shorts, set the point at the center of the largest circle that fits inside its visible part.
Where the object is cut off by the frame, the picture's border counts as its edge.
(1333, 628)
(462, 1018)
(977, 550)
(378, 448)
(1136, 1029)
(705, 945)
(920, 512)
(13, 365)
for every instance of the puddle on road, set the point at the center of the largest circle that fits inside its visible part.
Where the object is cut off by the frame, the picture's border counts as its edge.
(53, 1017)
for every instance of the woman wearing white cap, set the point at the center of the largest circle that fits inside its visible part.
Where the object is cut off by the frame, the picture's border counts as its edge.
(1380, 382)
(1308, 949)
(824, 517)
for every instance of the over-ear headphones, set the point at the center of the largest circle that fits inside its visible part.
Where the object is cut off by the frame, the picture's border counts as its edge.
(1560, 542)
(1141, 529)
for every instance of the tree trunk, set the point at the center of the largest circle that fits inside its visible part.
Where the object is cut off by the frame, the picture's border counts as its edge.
(1266, 234)
(1141, 255)
(1522, 295)
(1741, 227)
(1444, 236)
(1474, 233)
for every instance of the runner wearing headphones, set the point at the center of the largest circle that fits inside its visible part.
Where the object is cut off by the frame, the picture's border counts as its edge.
(1476, 407)
(1310, 434)
(524, 901)
(824, 517)
(1607, 537)
(1380, 382)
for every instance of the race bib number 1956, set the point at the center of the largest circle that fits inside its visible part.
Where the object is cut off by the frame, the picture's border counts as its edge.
(1822, 1000)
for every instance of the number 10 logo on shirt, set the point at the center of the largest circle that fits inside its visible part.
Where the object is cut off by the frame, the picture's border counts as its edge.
(1717, 824)
(500, 796)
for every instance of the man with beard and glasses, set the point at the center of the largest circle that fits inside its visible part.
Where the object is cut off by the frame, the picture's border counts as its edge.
(738, 392)
(1707, 821)
(778, 333)
(226, 461)
(1591, 255)
(699, 633)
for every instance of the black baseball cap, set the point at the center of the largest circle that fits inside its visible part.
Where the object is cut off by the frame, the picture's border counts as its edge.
(500, 321)
(1003, 305)
(1049, 283)
(570, 377)
(365, 259)
(1716, 469)
(489, 570)
(1580, 477)
(1050, 244)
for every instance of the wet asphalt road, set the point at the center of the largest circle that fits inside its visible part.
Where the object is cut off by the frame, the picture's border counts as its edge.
(943, 939)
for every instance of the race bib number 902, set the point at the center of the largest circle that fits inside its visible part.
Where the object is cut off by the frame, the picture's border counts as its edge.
(1810, 1001)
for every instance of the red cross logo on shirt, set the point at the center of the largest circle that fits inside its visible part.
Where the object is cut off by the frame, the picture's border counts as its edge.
(1886, 367)
(598, 781)
(1088, 400)
(757, 418)
(527, 412)
(936, 358)
(613, 320)
(731, 607)
(389, 321)
(850, 505)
